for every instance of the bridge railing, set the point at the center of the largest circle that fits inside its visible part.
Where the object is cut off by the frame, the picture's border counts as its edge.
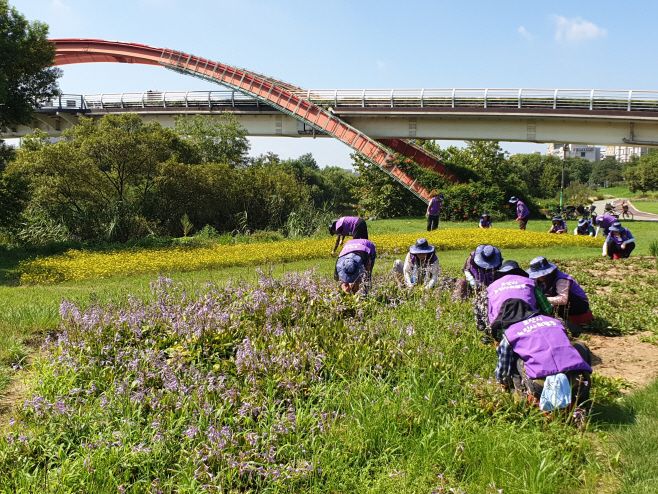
(552, 99)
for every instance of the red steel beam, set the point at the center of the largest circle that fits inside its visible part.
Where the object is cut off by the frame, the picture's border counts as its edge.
(419, 155)
(274, 93)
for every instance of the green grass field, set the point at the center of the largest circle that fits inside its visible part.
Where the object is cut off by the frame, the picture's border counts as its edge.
(443, 446)
(646, 206)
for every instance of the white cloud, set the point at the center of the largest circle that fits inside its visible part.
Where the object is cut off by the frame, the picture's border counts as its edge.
(576, 29)
(523, 32)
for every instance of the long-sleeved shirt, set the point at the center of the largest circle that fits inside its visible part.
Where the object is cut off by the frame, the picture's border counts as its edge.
(505, 360)
(630, 238)
(432, 271)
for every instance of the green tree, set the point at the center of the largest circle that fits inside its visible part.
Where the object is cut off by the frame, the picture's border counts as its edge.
(606, 170)
(643, 176)
(215, 140)
(26, 76)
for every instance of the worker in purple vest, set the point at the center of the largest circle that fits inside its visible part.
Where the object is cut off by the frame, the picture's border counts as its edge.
(478, 269)
(348, 225)
(558, 226)
(562, 291)
(513, 297)
(604, 221)
(355, 262)
(522, 212)
(434, 210)
(485, 221)
(584, 228)
(619, 243)
(536, 358)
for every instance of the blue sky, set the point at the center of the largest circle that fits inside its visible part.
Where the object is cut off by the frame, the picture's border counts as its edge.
(352, 44)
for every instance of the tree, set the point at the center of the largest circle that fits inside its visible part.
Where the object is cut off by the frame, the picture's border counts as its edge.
(606, 170)
(26, 76)
(220, 140)
(644, 176)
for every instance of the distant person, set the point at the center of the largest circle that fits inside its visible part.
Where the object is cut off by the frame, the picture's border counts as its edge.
(348, 225)
(434, 211)
(355, 264)
(558, 225)
(603, 222)
(619, 243)
(562, 291)
(420, 267)
(522, 212)
(485, 221)
(584, 228)
(537, 360)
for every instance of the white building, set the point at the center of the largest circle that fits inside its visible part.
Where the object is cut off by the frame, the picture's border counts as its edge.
(623, 154)
(585, 151)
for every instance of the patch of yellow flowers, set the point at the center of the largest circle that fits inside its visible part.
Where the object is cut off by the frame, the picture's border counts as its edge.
(77, 265)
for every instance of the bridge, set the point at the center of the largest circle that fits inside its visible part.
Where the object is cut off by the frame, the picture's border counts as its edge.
(375, 123)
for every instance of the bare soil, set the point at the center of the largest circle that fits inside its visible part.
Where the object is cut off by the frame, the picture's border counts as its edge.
(624, 356)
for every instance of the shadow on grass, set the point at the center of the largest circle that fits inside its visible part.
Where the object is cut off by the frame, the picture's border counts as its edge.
(601, 326)
(607, 414)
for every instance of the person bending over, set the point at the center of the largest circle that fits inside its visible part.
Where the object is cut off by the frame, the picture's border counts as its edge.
(584, 228)
(348, 225)
(522, 212)
(478, 270)
(558, 225)
(619, 243)
(604, 222)
(420, 267)
(536, 359)
(354, 265)
(561, 290)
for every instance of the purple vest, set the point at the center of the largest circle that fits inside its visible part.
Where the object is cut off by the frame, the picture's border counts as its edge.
(618, 240)
(360, 244)
(543, 344)
(482, 275)
(435, 205)
(508, 287)
(432, 259)
(605, 221)
(348, 223)
(485, 224)
(575, 287)
(522, 210)
(562, 225)
(584, 230)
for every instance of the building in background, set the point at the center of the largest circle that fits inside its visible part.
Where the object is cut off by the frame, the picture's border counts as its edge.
(585, 151)
(623, 154)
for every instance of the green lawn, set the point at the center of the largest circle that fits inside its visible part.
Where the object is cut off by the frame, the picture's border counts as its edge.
(646, 206)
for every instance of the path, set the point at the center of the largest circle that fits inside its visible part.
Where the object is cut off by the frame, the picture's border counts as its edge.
(637, 215)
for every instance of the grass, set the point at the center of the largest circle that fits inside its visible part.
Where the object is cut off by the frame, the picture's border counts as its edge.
(646, 206)
(401, 430)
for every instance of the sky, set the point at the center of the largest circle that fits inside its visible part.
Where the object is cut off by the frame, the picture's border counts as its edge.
(375, 45)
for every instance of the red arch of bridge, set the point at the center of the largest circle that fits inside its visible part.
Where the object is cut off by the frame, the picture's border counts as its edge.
(275, 93)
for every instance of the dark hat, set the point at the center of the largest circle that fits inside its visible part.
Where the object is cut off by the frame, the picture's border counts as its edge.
(616, 227)
(556, 218)
(488, 256)
(510, 267)
(582, 222)
(349, 267)
(540, 266)
(485, 214)
(421, 247)
(332, 228)
(513, 199)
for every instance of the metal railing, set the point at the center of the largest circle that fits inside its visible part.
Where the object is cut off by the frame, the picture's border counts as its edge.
(552, 99)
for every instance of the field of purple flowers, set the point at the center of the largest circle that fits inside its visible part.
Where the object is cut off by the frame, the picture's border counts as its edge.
(283, 386)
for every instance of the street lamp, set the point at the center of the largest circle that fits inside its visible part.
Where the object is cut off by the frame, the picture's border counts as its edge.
(564, 162)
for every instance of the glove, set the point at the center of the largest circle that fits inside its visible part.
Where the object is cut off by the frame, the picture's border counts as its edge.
(517, 219)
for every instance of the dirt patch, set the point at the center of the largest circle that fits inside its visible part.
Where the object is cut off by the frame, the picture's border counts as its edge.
(12, 395)
(624, 356)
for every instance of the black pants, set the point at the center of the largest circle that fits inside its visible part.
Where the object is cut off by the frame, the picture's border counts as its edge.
(360, 230)
(575, 307)
(432, 222)
(625, 253)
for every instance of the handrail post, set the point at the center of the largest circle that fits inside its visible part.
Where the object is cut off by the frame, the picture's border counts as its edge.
(555, 100)
(164, 99)
(630, 100)
(308, 95)
(233, 99)
(485, 97)
(59, 105)
(422, 93)
(392, 98)
(453, 97)
(209, 101)
(121, 100)
(335, 98)
(363, 99)
(591, 100)
(143, 100)
(520, 97)
(186, 93)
